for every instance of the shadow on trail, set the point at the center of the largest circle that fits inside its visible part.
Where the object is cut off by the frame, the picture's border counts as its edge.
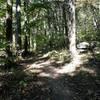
(83, 85)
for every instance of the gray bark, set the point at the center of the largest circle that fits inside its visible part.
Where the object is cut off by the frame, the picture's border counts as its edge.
(71, 27)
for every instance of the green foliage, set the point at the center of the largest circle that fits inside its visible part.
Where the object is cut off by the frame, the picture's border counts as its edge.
(61, 55)
(3, 45)
(86, 30)
(41, 41)
(98, 56)
(38, 6)
(23, 83)
(43, 23)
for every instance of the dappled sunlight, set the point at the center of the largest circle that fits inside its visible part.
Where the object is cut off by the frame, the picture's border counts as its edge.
(35, 66)
(43, 69)
(35, 71)
(43, 74)
(53, 80)
(50, 50)
(48, 67)
(89, 70)
(71, 67)
(49, 71)
(5, 73)
(38, 64)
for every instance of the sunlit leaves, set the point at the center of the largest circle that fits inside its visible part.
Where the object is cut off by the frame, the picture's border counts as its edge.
(38, 6)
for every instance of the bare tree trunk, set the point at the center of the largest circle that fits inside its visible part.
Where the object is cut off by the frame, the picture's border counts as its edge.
(9, 21)
(9, 24)
(27, 34)
(9, 31)
(71, 27)
(65, 25)
(18, 24)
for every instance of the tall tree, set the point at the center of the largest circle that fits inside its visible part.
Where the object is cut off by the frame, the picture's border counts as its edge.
(9, 26)
(18, 24)
(27, 30)
(64, 8)
(71, 27)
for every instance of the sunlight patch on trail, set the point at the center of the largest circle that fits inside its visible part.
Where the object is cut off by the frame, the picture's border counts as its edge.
(90, 71)
(37, 65)
(46, 69)
(71, 67)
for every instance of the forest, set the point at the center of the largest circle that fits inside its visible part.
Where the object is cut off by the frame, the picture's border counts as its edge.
(49, 49)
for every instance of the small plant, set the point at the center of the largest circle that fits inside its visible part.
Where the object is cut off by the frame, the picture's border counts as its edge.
(61, 55)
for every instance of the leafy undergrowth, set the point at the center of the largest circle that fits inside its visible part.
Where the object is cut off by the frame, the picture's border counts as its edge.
(61, 55)
(16, 84)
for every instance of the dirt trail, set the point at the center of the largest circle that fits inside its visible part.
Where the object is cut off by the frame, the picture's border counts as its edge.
(68, 85)
(41, 80)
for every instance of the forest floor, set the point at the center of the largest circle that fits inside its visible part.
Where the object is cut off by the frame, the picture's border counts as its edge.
(40, 79)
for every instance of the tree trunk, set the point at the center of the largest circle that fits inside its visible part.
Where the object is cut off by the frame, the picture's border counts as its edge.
(9, 25)
(9, 31)
(18, 24)
(27, 27)
(65, 25)
(71, 27)
(9, 21)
